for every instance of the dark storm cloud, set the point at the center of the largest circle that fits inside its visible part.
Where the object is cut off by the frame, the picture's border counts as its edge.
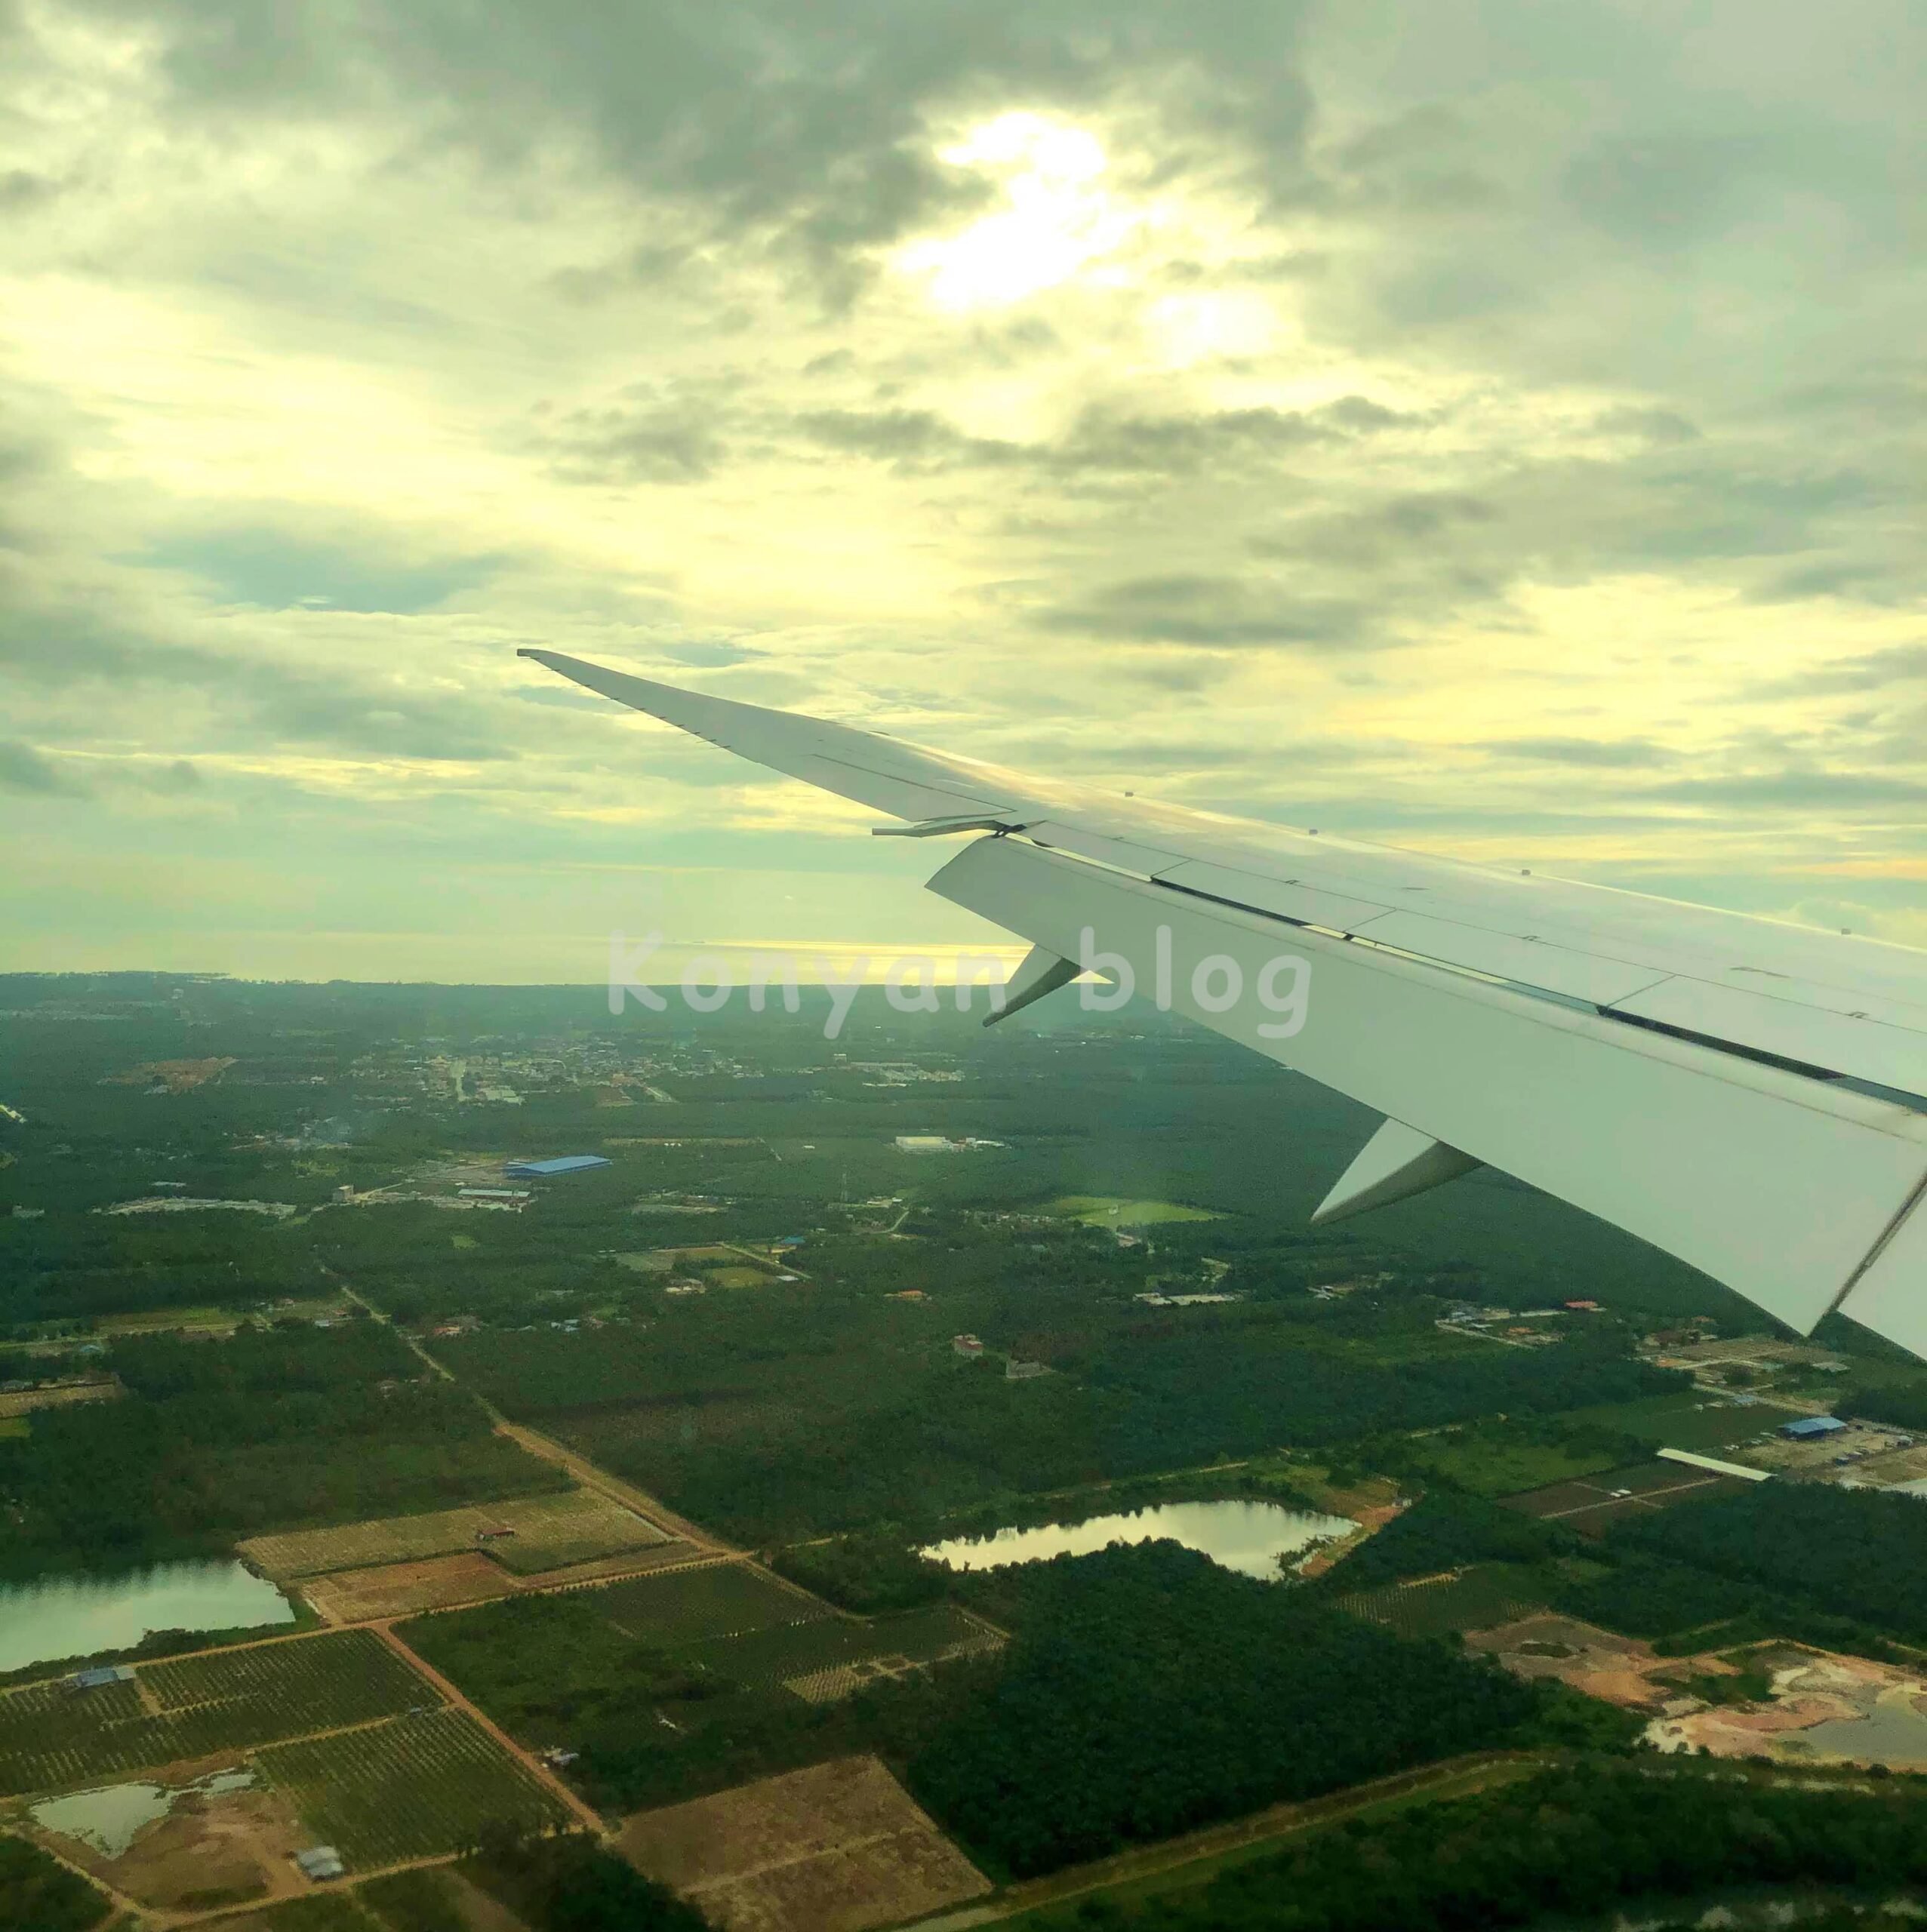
(1208, 610)
(24, 769)
(805, 123)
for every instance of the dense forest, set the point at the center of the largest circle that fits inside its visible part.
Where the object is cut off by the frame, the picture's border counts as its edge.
(1446, 1529)
(869, 1573)
(1577, 1843)
(1149, 1691)
(38, 1891)
(1860, 1553)
(216, 1441)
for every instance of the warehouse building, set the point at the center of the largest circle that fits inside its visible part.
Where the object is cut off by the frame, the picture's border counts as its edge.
(562, 1164)
(1809, 1428)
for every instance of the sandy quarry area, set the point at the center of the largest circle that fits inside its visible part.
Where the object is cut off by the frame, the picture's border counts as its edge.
(836, 1848)
(1622, 1670)
(1824, 1709)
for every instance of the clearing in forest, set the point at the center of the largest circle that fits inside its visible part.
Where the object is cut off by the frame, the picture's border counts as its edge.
(1105, 1210)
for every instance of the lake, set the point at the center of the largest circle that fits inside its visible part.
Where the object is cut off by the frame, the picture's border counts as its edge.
(54, 1618)
(1247, 1537)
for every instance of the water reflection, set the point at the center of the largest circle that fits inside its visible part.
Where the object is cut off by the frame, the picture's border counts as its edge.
(1248, 1537)
(56, 1617)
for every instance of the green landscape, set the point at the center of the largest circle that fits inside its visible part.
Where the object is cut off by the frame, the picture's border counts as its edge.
(586, 1515)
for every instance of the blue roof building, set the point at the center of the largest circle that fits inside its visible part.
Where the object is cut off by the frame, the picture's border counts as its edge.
(1807, 1427)
(562, 1163)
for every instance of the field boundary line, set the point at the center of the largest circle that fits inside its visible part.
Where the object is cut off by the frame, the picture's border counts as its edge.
(578, 1807)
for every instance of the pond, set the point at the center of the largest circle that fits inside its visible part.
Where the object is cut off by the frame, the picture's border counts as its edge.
(1892, 1733)
(56, 1617)
(1248, 1537)
(111, 1818)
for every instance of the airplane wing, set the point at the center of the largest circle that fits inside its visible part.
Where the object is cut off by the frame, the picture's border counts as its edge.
(1749, 1096)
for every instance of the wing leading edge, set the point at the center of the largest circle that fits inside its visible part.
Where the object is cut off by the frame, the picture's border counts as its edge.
(1749, 1096)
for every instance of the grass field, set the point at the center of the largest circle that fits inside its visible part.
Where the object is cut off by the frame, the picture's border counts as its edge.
(551, 1531)
(1104, 1210)
(53, 1738)
(688, 1606)
(1488, 1594)
(14, 1426)
(1502, 1468)
(411, 1788)
(742, 1276)
(1685, 1421)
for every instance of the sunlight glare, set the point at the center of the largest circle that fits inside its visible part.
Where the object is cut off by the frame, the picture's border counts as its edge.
(1058, 215)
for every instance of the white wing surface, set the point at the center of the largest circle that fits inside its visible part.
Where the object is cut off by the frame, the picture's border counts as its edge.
(1749, 1096)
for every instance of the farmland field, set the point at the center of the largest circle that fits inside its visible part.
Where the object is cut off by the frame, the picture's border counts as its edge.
(1486, 1596)
(1687, 1420)
(411, 1788)
(763, 1659)
(828, 1849)
(1591, 1506)
(718, 1600)
(53, 1738)
(551, 1531)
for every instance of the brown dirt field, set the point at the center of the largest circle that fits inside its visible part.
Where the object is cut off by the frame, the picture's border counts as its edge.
(240, 1844)
(400, 1589)
(1621, 1670)
(836, 1848)
(578, 1525)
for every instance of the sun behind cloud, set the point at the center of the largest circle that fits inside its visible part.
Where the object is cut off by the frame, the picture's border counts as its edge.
(1060, 217)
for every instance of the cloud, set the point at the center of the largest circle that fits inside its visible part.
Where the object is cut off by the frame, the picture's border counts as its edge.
(1797, 790)
(1625, 754)
(805, 126)
(1211, 611)
(1874, 670)
(660, 439)
(280, 570)
(24, 769)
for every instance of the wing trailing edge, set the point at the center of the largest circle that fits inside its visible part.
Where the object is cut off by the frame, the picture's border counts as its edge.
(1747, 1095)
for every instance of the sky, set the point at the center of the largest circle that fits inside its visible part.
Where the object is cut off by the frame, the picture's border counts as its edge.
(1484, 425)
